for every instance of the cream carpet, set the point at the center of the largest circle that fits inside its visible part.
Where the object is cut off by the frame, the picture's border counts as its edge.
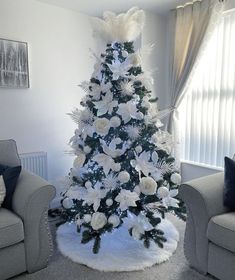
(61, 268)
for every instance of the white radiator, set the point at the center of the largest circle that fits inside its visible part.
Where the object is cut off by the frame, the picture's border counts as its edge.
(35, 163)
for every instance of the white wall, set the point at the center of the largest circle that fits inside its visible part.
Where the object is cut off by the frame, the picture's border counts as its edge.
(59, 42)
(155, 33)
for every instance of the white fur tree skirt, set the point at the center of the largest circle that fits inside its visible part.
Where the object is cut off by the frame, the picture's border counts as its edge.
(119, 251)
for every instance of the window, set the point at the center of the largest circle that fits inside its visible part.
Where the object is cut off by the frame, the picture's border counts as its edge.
(207, 112)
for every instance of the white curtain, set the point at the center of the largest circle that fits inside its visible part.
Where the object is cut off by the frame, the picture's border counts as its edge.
(207, 111)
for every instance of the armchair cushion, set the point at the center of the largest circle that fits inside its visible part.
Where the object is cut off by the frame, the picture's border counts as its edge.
(2, 190)
(229, 182)
(11, 228)
(221, 231)
(10, 177)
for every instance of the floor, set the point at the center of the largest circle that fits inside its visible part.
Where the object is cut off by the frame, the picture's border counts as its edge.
(61, 268)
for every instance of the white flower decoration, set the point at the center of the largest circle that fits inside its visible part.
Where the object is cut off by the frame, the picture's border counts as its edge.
(143, 163)
(119, 69)
(105, 161)
(163, 140)
(139, 224)
(94, 195)
(79, 160)
(101, 126)
(106, 104)
(127, 88)
(126, 199)
(133, 132)
(111, 150)
(110, 181)
(76, 192)
(170, 200)
(95, 91)
(98, 220)
(148, 186)
(128, 111)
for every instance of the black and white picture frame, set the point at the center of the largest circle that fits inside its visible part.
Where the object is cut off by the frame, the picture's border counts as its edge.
(14, 70)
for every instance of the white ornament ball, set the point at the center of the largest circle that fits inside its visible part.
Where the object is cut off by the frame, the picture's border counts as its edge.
(87, 218)
(109, 202)
(123, 177)
(138, 149)
(124, 54)
(67, 203)
(176, 178)
(148, 186)
(87, 149)
(98, 220)
(117, 167)
(162, 192)
(88, 184)
(114, 220)
(115, 122)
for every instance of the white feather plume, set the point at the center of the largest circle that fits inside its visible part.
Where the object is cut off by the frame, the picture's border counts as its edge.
(125, 27)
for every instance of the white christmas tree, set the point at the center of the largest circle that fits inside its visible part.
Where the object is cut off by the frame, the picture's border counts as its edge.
(123, 170)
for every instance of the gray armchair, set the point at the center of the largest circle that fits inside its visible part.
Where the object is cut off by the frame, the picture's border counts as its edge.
(25, 241)
(210, 228)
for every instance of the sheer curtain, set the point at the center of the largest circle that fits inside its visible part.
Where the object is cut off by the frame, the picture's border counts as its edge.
(190, 23)
(207, 111)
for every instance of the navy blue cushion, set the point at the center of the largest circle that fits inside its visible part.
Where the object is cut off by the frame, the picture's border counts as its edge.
(229, 183)
(10, 176)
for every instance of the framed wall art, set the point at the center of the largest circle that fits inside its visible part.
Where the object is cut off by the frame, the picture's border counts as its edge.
(14, 70)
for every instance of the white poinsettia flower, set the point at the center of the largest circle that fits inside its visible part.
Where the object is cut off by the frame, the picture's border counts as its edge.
(94, 195)
(143, 164)
(78, 172)
(157, 174)
(111, 150)
(95, 91)
(124, 27)
(105, 87)
(110, 181)
(163, 140)
(170, 201)
(105, 161)
(106, 104)
(119, 69)
(129, 111)
(139, 224)
(145, 78)
(76, 192)
(126, 199)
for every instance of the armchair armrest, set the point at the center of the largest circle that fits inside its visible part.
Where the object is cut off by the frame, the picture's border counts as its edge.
(30, 201)
(204, 199)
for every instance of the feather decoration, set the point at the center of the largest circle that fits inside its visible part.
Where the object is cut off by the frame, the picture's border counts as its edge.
(119, 28)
